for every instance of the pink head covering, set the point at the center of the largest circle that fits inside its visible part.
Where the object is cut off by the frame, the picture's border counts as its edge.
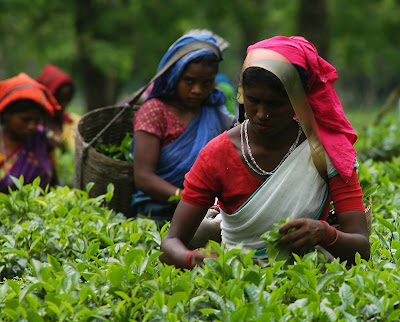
(53, 77)
(337, 135)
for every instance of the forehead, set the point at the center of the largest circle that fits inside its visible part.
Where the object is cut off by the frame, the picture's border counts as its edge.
(65, 89)
(199, 70)
(31, 112)
(23, 106)
(264, 91)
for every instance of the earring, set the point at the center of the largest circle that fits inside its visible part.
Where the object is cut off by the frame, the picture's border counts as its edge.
(267, 115)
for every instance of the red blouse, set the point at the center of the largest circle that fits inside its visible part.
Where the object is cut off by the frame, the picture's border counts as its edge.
(219, 172)
(155, 118)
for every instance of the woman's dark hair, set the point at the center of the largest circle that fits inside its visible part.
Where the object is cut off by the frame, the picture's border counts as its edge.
(206, 60)
(60, 88)
(20, 106)
(258, 75)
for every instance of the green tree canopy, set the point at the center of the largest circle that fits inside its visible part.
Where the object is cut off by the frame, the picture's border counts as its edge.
(113, 47)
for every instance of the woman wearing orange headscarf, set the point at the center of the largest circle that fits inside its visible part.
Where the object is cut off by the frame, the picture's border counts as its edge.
(61, 85)
(289, 159)
(24, 147)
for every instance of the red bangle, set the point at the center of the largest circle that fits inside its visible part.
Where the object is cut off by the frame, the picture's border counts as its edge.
(336, 238)
(328, 231)
(189, 259)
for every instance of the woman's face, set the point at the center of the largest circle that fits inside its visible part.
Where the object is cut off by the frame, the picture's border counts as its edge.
(22, 125)
(64, 95)
(195, 84)
(268, 111)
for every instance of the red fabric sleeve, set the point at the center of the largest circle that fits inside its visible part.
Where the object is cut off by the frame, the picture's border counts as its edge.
(219, 172)
(155, 118)
(199, 187)
(346, 196)
(150, 118)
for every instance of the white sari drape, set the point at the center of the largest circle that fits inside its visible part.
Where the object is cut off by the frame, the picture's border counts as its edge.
(295, 190)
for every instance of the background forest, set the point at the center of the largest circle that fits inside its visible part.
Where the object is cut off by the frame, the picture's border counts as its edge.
(112, 47)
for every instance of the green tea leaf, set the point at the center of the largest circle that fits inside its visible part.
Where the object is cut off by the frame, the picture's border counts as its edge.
(124, 296)
(275, 250)
(92, 249)
(326, 278)
(18, 183)
(176, 298)
(54, 263)
(159, 299)
(385, 223)
(117, 274)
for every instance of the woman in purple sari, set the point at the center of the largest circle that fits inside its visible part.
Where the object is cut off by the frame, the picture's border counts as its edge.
(24, 148)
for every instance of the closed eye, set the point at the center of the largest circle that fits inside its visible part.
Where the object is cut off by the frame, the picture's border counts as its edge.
(275, 104)
(252, 99)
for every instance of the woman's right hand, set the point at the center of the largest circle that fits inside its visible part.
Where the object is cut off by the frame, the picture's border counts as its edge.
(306, 234)
(199, 256)
(174, 245)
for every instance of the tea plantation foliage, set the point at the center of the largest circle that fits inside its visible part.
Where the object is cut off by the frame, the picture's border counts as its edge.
(66, 257)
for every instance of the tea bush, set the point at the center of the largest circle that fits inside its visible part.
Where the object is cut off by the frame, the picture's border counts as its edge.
(67, 257)
(65, 166)
(379, 143)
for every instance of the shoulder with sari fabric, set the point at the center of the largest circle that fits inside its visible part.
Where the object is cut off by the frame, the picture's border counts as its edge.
(216, 144)
(152, 107)
(153, 117)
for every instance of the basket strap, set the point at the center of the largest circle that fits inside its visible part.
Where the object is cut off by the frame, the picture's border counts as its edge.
(195, 45)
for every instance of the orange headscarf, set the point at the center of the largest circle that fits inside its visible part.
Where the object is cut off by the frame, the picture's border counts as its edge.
(53, 77)
(22, 87)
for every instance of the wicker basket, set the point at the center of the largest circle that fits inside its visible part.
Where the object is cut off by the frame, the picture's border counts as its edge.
(92, 166)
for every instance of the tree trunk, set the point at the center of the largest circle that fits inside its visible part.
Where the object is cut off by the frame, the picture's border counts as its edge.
(99, 89)
(389, 104)
(314, 25)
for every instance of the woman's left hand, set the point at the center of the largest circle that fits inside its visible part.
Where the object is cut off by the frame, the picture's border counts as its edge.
(306, 234)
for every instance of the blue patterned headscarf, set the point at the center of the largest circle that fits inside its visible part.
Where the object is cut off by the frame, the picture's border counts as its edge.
(166, 83)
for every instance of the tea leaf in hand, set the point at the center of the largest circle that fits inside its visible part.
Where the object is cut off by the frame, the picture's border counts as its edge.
(275, 250)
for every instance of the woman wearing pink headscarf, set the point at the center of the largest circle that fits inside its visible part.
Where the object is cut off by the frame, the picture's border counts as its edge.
(62, 86)
(290, 158)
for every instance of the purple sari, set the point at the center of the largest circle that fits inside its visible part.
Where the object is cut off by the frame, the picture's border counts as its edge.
(33, 161)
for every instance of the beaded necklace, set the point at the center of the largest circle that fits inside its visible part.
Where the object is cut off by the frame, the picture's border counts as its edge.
(256, 168)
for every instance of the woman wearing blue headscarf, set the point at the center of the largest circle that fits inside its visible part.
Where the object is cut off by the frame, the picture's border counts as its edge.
(183, 112)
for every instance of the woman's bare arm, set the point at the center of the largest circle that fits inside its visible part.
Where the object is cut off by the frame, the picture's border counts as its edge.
(185, 222)
(147, 152)
(353, 236)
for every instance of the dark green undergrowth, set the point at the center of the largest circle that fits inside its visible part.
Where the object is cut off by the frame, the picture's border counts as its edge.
(67, 257)
(380, 143)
